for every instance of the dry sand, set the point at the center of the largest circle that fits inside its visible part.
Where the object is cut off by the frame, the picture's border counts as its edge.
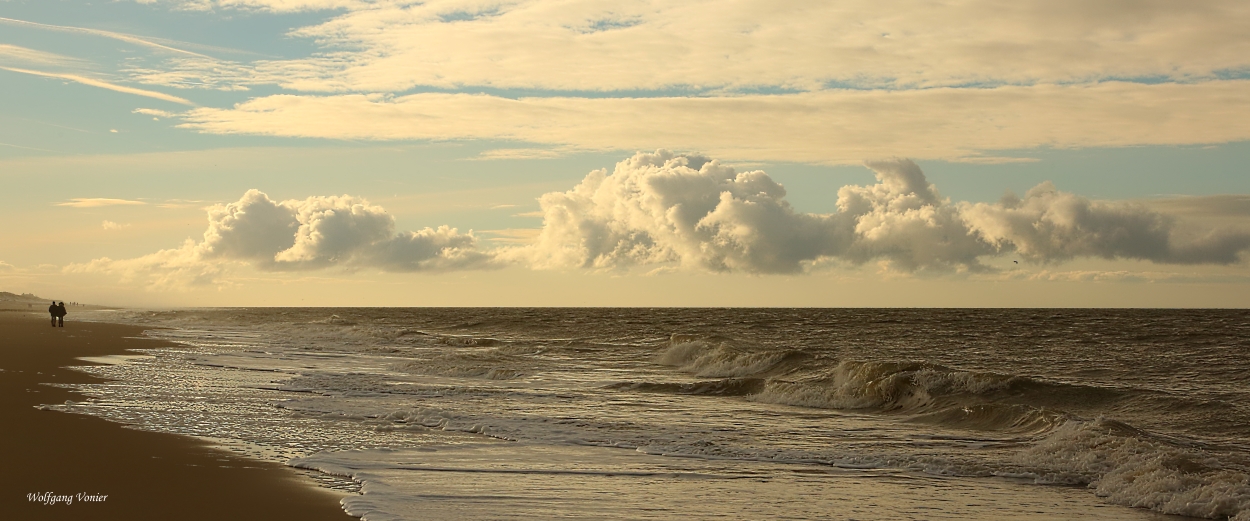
(145, 475)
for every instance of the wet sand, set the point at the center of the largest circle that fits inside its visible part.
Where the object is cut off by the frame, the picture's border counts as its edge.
(143, 475)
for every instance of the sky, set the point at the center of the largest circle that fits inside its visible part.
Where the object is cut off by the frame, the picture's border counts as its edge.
(626, 153)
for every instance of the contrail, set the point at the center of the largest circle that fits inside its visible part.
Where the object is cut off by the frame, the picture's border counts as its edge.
(28, 148)
(103, 85)
(108, 34)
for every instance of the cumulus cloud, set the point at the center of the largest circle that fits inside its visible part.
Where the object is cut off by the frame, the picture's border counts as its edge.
(173, 268)
(110, 225)
(1048, 225)
(660, 208)
(295, 235)
(696, 213)
(320, 232)
(671, 211)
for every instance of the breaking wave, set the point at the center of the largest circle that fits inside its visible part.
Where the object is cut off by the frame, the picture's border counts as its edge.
(716, 357)
(1131, 467)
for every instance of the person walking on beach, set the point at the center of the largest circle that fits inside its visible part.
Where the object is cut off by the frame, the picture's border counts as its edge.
(52, 311)
(60, 314)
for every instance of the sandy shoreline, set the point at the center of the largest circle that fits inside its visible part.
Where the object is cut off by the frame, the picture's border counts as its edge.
(144, 475)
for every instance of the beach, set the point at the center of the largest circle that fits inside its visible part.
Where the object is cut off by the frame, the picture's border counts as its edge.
(74, 466)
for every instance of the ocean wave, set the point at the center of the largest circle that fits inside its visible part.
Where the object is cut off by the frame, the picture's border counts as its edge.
(727, 387)
(467, 341)
(1130, 467)
(492, 364)
(884, 386)
(1014, 418)
(718, 357)
(334, 320)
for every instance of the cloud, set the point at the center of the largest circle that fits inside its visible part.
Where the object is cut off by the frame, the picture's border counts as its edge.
(128, 38)
(1048, 225)
(1224, 210)
(14, 53)
(102, 84)
(698, 214)
(294, 235)
(110, 225)
(523, 153)
(600, 45)
(179, 203)
(276, 6)
(154, 112)
(95, 202)
(1085, 276)
(4, 266)
(695, 213)
(319, 232)
(753, 79)
(169, 269)
(202, 73)
(666, 211)
(841, 126)
(518, 236)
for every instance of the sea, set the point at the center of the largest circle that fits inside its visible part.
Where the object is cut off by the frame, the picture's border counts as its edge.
(600, 413)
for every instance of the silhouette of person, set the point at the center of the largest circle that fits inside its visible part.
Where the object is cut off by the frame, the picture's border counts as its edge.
(52, 311)
(60, 314)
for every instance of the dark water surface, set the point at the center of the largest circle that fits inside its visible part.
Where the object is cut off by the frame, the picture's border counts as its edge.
(1143, 408)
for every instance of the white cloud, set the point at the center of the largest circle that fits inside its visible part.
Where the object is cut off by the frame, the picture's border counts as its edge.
(277, 6)
(23, 55)
(110, 225)
(179, 203)
(294, 235)
(670, 211)
(95, 202)
(523, 153)
(1048, 226)
(832, 126)
(611, 45)
(326, 231)
(154, 112)
(4, 266)
(697, 214)
(169, 269)
(1018, 75)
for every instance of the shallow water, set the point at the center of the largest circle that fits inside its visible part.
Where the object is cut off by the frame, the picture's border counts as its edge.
(779, 413)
